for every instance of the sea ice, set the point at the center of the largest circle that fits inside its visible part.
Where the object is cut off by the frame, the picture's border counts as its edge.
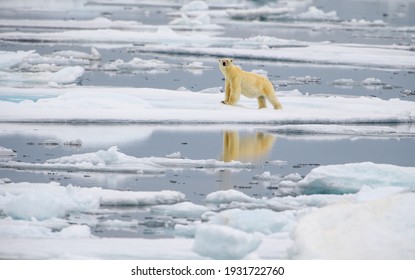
(136, 64)
(351, 177)
(263, 221)
(181, 210)
(6, 153)
(228, 196)
(66, 75)
(222, 242)
(314, 13)
(143, 105)
(195, 6)
(380, 229)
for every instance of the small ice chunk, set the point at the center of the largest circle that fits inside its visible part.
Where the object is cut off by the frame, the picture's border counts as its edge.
(314, 13)
(222, 242)
(344, 82)
(76, 142)
(258, 220)
(5, 181)
(181, 210)
(174, 155)
(195, 6)
(266, 176)
(228, 196)
(372, 81)
(5, 152)
(67, 75)
(76, 231)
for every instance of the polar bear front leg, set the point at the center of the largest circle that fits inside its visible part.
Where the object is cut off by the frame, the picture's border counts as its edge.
(235, 91)
(227, 92)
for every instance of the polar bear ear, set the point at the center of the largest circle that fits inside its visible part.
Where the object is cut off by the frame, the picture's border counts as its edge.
(231, 60)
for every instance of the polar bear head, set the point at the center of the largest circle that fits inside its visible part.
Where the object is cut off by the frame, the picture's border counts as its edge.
(225, 62)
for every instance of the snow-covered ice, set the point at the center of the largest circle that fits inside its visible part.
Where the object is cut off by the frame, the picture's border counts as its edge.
(145, 105)
(112, 160)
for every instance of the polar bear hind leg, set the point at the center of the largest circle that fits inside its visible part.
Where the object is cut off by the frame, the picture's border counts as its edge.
(261, 102)
(272, 98)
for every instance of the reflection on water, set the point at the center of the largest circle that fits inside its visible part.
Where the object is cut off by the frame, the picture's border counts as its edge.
(247, 148)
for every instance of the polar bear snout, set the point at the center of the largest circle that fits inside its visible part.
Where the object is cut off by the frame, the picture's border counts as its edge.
(223, 63)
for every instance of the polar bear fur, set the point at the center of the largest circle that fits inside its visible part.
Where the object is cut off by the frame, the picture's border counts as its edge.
(251, 85)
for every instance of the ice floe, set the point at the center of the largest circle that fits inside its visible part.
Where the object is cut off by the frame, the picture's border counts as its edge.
(351, 177)
(6, 153)
(112, 160)
(222, 242)
(142, 105)
(314, 13)
(344, 130)
(66, 75)
(136, 64)
(352, 231)
(97, 23)
(316, 53)
(72, 198)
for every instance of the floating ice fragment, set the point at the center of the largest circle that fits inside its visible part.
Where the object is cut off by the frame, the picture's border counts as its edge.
(372, 81)
(195, 6)
(266, 176)
(222, 242)
(76, 231)
(5, 152)
(174, 155)
(228, 196)
(257, 220)
(181, 210)
(350, 178)
(264, 11)
(314, 13)
(76, 142)
(94, 55)
(5, 181)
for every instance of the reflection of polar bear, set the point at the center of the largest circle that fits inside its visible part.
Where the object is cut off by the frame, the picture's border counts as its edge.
(249, 84)
(249, 148)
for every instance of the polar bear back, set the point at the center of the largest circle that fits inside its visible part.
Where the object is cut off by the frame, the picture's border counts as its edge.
(254, 85)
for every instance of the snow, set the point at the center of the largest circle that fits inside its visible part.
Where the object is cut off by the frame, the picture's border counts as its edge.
(142, 105)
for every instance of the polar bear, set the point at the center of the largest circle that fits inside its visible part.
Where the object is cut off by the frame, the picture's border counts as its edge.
(249, 84)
